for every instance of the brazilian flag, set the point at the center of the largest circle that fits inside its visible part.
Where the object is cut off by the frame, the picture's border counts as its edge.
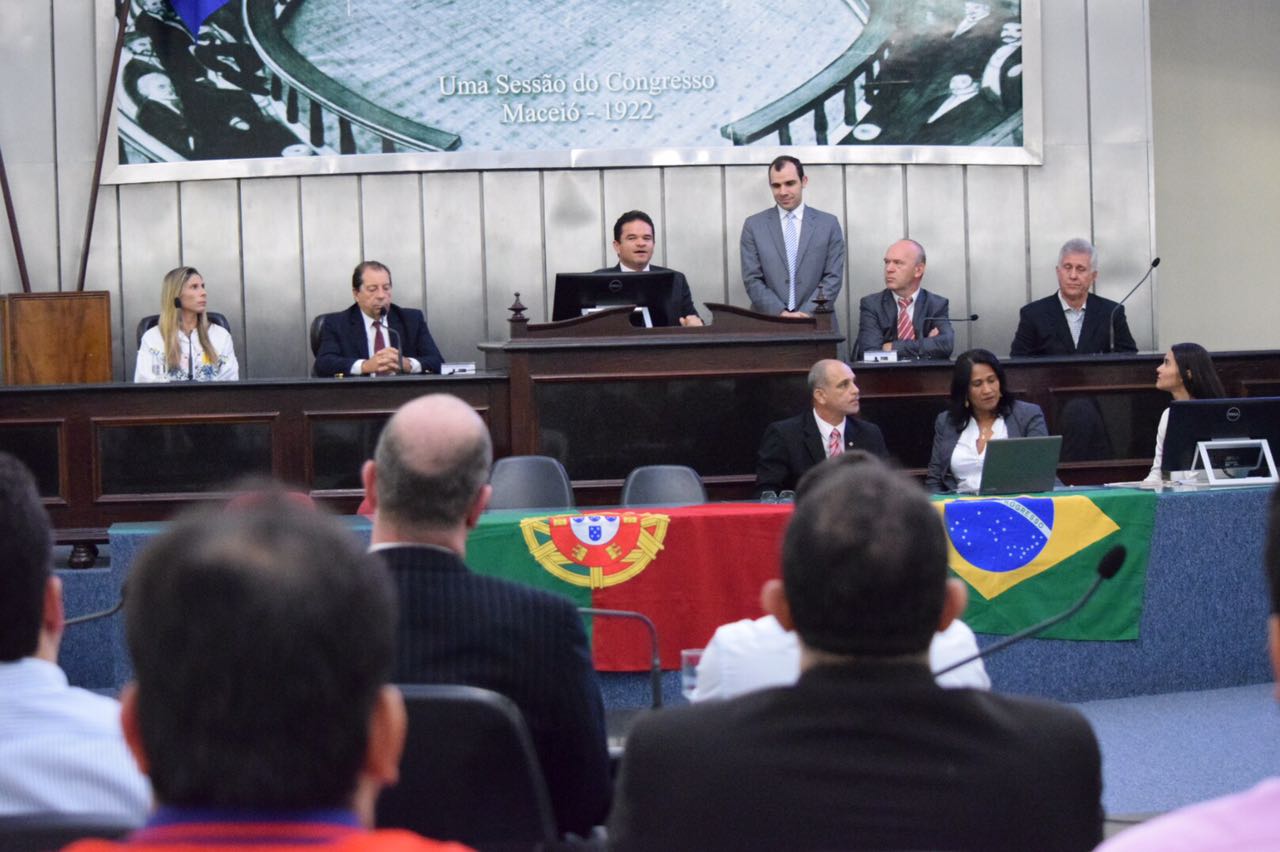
(1028, 558)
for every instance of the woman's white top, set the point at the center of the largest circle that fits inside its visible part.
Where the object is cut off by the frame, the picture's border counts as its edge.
(966, 461)
(220, 365)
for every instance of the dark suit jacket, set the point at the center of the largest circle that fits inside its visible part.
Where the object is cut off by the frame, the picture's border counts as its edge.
(878, 324)
(681, 297)
(1026, 420)
(870, 756)
(343, 340)
(1043, 329)
(457, 626)
(819, 258)
(792, 446)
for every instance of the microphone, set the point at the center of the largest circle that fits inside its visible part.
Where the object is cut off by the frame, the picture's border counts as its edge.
(1108, 565)
(970, 318)
(177, 303)
(1111, 322)
(655, 662)
(396, 340)
(94, 616)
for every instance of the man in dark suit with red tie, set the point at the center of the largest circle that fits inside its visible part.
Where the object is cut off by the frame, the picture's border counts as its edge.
(792, 446)
(427, 485)
(374, 336)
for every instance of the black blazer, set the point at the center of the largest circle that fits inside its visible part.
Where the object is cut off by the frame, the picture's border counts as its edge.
(681, 298)
(792, 446)
(457, 626)
(1043, 329)
(343, 340)
(870, 756)
(878, 325)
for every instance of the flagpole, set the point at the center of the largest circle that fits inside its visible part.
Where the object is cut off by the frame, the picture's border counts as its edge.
(13, 227)
(122, 12)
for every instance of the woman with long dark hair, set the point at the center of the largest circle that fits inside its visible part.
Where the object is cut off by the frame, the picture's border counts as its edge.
(982, 409)
(1187, 372)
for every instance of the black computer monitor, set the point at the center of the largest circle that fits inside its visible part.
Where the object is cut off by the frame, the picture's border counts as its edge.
(1195, 420)
(579, 293)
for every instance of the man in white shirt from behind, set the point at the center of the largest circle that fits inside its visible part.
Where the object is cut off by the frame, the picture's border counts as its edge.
(62, 749)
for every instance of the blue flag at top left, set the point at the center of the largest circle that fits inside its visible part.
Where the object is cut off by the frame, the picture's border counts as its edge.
(194, 12)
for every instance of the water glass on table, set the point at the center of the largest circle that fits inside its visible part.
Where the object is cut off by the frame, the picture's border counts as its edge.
(689, 659)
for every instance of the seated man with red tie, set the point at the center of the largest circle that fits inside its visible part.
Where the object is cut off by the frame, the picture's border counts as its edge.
(902, 317)
(374, 336)
(792, 446)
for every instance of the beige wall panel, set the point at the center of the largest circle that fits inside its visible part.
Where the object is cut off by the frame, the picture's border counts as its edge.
(103, 273)
(150, 245)
(513, 249)
(1059, 208)
(454, 235)
(77, 122)
(997, 259)
(572, 207)
(826, 192)
(274, 311)
(1066, 82)
(36, 201)
(1124, 236)
(1217, 130)
(391, 217)
(210, 212)
(876, 207)
(936, 220)
(746, 192)
(635, 189)
(330, 242)
(1119, 72)
(695, 232)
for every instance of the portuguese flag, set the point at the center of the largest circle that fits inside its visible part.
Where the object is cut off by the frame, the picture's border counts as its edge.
(688, 569)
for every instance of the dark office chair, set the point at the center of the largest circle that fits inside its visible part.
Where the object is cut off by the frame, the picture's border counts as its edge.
(469, 773)
(41, 832)
(663, 484)
(316, 325)
(148, 321)
(530, 482)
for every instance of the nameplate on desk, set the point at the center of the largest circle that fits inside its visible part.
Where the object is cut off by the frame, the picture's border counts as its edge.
(880, 357)
(458, 369)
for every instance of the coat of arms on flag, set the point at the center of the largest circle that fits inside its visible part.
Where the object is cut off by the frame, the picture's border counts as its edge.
(595, 550)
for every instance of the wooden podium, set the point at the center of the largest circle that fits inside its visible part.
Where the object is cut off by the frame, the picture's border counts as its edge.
(56, 338)
(604, 396)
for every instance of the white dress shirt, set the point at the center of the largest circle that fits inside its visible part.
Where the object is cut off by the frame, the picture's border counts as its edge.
(411, 365)
(62, 749)
(966, 461)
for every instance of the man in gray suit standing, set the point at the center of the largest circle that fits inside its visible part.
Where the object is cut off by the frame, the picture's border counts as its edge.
(791, 248)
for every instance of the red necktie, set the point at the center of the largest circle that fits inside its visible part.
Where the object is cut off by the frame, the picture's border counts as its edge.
(834, 447)
(905, 331)
(379, 342)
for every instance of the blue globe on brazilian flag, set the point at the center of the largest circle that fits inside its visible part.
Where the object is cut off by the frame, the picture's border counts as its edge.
(1037, 555)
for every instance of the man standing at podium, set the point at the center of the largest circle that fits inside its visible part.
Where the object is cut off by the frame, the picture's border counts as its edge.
(633, 240)
(791, 248)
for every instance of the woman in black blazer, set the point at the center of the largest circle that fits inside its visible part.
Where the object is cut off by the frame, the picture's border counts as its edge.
(982, 409)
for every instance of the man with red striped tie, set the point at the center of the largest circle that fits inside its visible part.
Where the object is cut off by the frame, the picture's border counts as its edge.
(904, 318)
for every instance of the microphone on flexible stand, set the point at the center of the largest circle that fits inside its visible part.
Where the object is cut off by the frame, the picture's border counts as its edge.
(397, 340)
(1111, 322)
(1108, 565)
(177, 303)
(655, 659)
(94, 616)
(970, 318)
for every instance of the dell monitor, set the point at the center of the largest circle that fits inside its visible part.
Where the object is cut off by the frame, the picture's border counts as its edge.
(1195, 420)
(653, 294)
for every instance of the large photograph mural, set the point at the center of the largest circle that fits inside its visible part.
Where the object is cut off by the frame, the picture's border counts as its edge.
(542, 83)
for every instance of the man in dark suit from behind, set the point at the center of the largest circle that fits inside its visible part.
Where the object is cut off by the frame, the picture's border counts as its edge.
(904, 317)
(792, 446)
(633, 240)
(374, 336)
(1073, 321)
(427, 485)
(865, 751)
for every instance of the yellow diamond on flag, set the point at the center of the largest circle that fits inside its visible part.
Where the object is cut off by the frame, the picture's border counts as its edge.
(996, 543)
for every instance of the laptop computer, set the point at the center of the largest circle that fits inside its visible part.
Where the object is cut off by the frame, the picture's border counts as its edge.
(1020, 465)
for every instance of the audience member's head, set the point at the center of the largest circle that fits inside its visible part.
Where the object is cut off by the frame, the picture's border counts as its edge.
(864, 565)
(430, 471)
(262, 637)
(27, 586)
